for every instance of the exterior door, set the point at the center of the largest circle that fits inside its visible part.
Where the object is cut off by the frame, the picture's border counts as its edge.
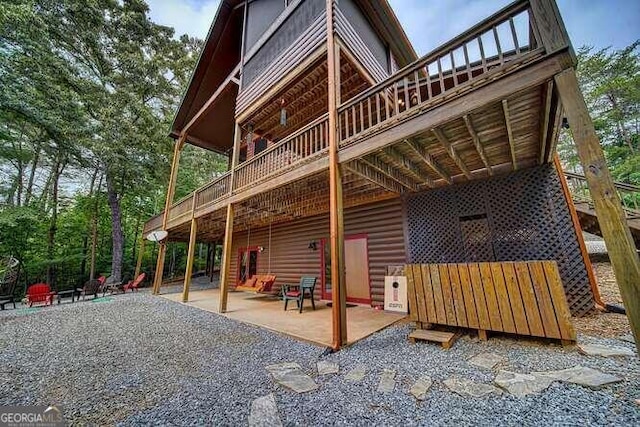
(357, 269)
(356, 259)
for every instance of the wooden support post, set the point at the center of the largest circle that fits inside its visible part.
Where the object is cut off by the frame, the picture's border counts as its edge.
(191, 252)
(225, 265)
(143, 242)
(576, 225)
(611, 216)
(338, 288)
(157, 283)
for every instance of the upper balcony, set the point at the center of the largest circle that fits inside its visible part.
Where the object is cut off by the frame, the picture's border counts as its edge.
(480, 105)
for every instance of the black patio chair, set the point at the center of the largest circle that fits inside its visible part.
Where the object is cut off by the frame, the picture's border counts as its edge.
(298, 292)
(91, 287)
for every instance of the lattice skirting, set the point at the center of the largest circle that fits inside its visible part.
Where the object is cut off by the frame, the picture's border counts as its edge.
(519, 217)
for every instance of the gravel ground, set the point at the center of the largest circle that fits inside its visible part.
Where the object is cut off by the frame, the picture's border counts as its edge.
(138, 359)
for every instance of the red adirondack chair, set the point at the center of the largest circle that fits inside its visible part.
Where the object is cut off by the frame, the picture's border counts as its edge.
(133, 284)
(40, 292)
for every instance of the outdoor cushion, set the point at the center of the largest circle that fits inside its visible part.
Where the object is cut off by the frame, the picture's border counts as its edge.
(293, 294)
(251, 282)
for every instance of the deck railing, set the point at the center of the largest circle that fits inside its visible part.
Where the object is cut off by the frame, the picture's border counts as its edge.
(153, 224)
(181, 207)
(214, 191)
(629, 194)
(494, 46)
(297, 148)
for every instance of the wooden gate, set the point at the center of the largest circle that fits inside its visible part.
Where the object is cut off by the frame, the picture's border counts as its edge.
(525, 298)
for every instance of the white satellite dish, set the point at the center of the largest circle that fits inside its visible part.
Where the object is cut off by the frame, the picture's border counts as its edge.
(157, 236)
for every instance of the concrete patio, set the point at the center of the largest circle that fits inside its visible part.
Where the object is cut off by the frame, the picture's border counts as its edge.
(311, 326)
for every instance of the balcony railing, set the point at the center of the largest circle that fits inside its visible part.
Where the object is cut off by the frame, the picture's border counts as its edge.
(495, 46)
(629, 194)
(214, 191)
(295, 149)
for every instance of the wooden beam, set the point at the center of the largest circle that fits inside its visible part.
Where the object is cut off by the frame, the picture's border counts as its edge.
(143, 242)
(547, 94)
(426, 157)
(451, 151)
(363, 170)
(225, 265)
(336, 221)
(477, 143)
(407, 166)
(375, 163)
(611, 216)
(576, 226)
(157, 283)
(190, 252)
(512, 144)
(555, 132)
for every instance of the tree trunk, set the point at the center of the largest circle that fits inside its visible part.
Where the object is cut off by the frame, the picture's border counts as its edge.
(32, 175)
(116, 230)
(85, 240)
(53, 223)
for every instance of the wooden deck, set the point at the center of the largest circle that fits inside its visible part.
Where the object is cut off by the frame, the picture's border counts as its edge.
(483, 104)
(311, 326)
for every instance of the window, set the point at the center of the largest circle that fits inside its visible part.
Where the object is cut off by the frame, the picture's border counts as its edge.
(260, 145)
(247, 263)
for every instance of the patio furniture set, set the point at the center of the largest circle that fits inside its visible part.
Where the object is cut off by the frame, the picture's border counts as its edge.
(42, 293)
(297, 293)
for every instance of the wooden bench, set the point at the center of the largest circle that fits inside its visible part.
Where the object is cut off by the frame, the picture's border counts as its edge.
(524, 298)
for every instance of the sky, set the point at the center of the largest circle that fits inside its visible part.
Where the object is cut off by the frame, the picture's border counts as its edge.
(430, 23)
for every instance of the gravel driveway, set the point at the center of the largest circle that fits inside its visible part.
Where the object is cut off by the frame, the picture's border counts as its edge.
(138, 359)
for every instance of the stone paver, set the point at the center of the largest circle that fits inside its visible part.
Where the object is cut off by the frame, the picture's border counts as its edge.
(326, 367)
(264, 412)
(466, 387)
(387, 381)
(420, 388)
(583, 376)
(290, 375)
(627, 338)
(486, 360)
(356, 374)
(521, 385)
(604, 350)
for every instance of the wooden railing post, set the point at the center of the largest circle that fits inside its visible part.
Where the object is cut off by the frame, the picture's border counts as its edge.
(191, 252)
(549, 26)
(167, 208)
(338, 288)
(225, 265)
(611, 216)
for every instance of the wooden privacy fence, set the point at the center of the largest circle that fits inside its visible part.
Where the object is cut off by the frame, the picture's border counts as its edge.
(525, 298)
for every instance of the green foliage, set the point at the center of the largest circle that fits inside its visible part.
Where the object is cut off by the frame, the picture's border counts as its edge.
(610, 83)
(88, 89)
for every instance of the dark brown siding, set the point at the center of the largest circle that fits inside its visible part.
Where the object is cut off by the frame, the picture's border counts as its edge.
(291, 257)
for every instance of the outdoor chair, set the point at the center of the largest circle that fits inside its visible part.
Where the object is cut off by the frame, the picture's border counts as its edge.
(298, 292)
(133, 284)
(92, 287)
(111, 285)
(8, 281)
(40, 293)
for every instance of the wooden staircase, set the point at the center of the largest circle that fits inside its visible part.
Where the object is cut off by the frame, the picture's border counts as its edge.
(629, 195)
